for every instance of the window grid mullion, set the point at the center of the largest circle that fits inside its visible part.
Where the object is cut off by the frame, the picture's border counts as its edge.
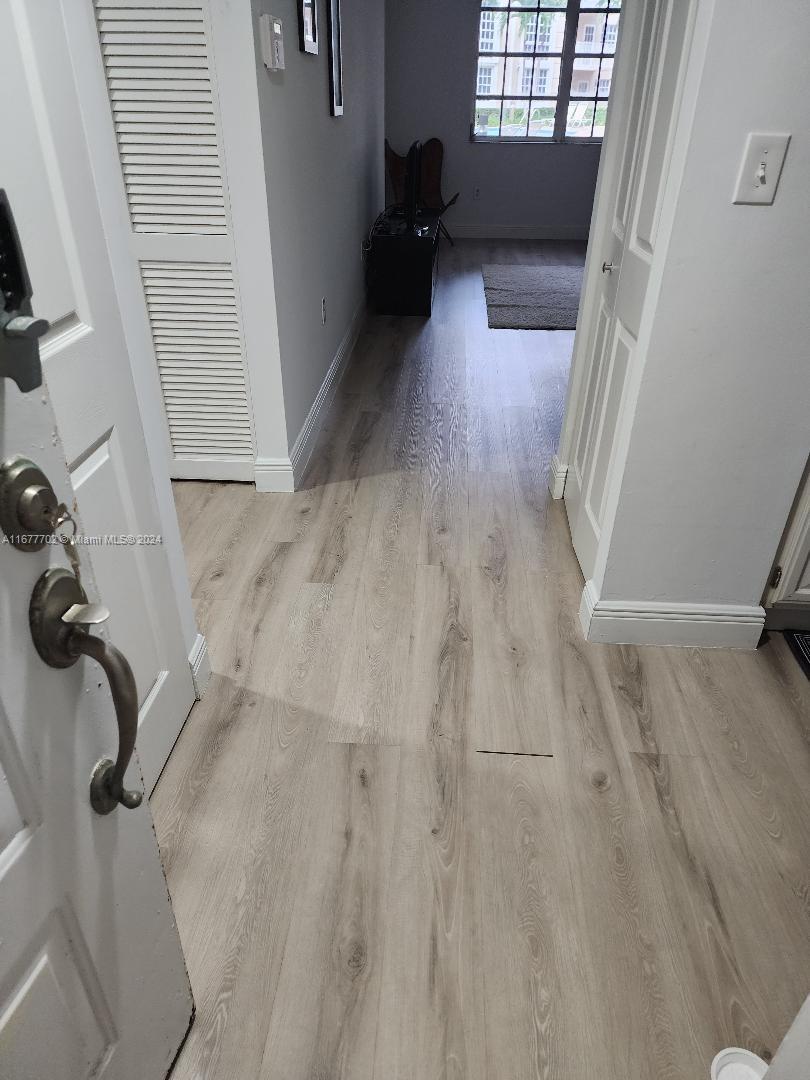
(503, 78)
(566, 70)
(599, 72)
(510, 55)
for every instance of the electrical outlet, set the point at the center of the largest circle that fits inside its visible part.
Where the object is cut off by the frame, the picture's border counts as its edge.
(323, 311)
(476, 192)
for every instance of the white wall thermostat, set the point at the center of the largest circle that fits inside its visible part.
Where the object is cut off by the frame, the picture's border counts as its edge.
(272, 42)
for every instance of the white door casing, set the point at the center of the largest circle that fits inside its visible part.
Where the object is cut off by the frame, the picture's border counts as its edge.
(791, 595)
(630, 198)
(790, 1060)
(46, 173)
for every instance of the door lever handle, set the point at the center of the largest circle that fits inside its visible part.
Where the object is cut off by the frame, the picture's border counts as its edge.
(26, 326)
(86, 614)
(107, 781)
(59, 615)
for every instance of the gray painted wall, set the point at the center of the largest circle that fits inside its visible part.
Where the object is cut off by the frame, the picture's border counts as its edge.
(325, 187)
(529, 190)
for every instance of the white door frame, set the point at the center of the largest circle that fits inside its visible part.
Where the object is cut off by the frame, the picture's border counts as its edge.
(787, 604)
(790, 1060)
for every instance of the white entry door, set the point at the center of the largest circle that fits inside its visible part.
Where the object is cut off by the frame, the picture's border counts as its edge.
(47, 174)
(92, 978)
(637, 148)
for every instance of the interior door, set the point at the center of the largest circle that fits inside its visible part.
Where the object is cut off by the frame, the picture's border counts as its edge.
(156, 63)
(654, 35)
(46, 171)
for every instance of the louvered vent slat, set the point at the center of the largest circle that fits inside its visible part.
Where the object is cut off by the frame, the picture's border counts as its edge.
(140, 165)
(199, 357)
(122, 88)
(156, 60)
(211, 295)
(139, 114)
(177, 8)
(114, 29)
(171, 62)
(162, 100)
(196, 186)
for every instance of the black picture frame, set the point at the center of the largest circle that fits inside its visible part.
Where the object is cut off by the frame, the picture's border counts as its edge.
(335, 58)
(308, 26)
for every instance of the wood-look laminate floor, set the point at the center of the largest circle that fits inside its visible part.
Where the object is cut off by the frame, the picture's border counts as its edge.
(417, 828)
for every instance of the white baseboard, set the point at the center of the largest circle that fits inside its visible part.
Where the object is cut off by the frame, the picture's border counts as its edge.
(308, 435)
(208, 468)
(273, 474)
(514, 232)
(637, 622)
(557, 474)
(200, 664)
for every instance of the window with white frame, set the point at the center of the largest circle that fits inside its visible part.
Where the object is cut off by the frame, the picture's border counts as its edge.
(518, 99)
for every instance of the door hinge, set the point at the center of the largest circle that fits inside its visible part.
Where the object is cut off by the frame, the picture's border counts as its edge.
(776, 576)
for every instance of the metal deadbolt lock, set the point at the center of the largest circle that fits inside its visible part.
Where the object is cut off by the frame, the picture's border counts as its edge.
(28, 504)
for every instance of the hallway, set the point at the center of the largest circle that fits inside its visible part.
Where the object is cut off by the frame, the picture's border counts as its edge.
(417, 828)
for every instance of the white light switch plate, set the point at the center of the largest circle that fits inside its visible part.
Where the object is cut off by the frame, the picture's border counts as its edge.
(761, 168)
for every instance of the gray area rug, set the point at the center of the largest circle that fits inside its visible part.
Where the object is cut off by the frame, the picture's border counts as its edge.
(532, 297)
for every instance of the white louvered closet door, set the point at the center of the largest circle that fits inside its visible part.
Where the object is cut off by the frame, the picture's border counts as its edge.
(161, 83)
